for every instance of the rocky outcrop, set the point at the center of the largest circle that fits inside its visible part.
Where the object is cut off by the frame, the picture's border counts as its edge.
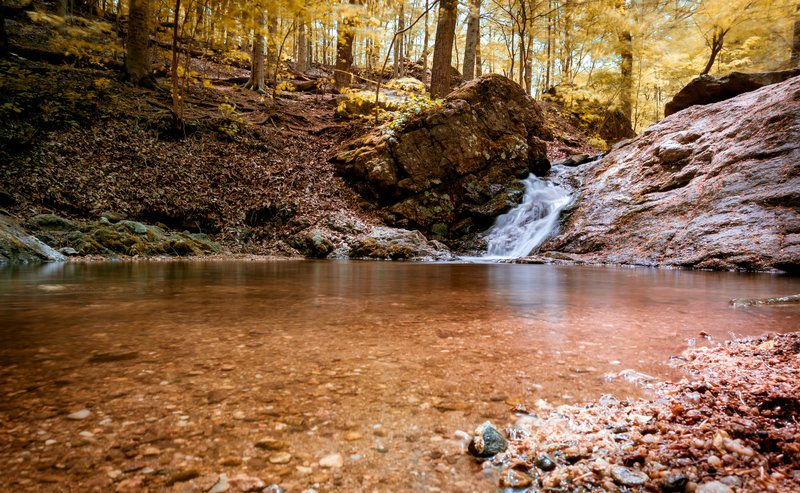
(450, 170)
(715, 186)
(18, 246)
(398, 244)
(707, 89)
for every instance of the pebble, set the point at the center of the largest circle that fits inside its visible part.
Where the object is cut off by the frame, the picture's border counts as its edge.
(280, 458)
(352, 436)
(674, 481)
(78, 415)
(487, 441)
(227, 368)
(545, 463)
(243, 482)
(714, 461)
(271, 444)
(628, 477)
(515, 479)
(151, 451)
(713, 487)
(332, 461)
(381, 448)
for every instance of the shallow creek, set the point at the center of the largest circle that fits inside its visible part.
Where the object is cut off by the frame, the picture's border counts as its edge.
(185, 367)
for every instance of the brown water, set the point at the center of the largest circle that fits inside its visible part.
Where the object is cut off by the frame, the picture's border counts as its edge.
(184, 366)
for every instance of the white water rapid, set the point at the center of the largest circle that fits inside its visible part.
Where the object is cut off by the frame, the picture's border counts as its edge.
(523, 228)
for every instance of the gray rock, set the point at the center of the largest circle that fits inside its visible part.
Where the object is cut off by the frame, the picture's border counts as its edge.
(132, 227)
(50, 222)
(487, 441)
(628, 477)
(390, 243)
(713, 487)
(545, 463)
(18, 246)
(673, 482)
(79, 415)
(68, 251)
(114, 216)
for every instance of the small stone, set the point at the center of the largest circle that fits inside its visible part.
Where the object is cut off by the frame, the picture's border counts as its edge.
(149, 451)
(182, 476)
(271, 444)
(487, 441)
(714, 461)
(332, 461)
(243, 482)
(352, 436)
(280, 458)
(130, 485)
(713, 487)
(86, 434)
(628, 477)
(674, 482)
(221, 486)
(381, 448)
(732, 481)
(545, 463)
(78, 415)
(514, 479)
(227, 367)
(50, 442)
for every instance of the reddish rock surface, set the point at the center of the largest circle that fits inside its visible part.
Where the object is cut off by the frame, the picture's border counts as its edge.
(452, 169)
(715, 186)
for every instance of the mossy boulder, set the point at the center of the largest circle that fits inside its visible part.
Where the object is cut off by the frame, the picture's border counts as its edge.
(50, 222)
(313, 244)
(396, 244)
(451, 163)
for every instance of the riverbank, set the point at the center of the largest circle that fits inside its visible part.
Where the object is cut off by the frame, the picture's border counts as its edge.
(730, 425)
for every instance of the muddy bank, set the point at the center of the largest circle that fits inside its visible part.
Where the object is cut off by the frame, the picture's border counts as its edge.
(729, 426)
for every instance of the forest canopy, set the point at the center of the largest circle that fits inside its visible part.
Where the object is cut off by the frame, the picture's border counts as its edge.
(629, 55)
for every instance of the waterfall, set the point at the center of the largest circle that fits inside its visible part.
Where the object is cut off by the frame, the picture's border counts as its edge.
(526, 226)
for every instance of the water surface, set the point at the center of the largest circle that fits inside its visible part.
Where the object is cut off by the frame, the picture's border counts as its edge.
(186, 365)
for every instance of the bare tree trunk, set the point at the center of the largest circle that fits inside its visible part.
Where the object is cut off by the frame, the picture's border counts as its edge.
(529, 66)
(626, 70)
(795, 57)
(302, 54)
(473, 37)
(177, 120)
(717, 42)
(137, 59)
(397, 71)
(425, 45)
(256, 81)
(344, 51)
(478, 69)
(272, 48)
(549, 45)
(443, 48)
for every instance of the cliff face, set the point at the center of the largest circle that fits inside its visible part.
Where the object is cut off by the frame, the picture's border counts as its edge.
(715, 186)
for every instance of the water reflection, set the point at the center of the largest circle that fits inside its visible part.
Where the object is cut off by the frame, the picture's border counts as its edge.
(398, 355)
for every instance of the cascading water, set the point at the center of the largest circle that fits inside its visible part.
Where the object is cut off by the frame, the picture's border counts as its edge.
(525, 227)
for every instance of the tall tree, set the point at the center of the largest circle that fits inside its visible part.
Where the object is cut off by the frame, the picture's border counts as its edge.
(473, 38)
(344, 48)
(137, 57)
(302, 45)
(443, 48)
(425, 45)
(256, 81)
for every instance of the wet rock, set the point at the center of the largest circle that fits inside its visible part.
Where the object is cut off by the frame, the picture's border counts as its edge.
(512, 478)
(280, 458)
(545, 463)
(79, 415)
(113, 217)
(332, 461)
(628, 477)
(182, 476)
(50, 222)
(487, 441)
(68, 251)
(707, 89)
(673, 482)
(113, 357)
(713, 487)
(313, 244)
(390, 243)
(18, 246)
(697, 189)
(381, 449)
(438, 172)
(271, 444)
(778, 300)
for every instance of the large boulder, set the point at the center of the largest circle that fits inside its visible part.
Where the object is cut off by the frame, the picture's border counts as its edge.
(715, 186)
(398, 244)
(450, 170)
(707, 89)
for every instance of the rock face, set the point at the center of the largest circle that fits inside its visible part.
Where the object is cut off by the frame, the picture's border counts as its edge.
(452, 169)
(716, 186)
(17, 246)
(396, 244)
(707, 89)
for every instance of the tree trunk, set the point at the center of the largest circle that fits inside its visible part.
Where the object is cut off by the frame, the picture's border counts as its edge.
(137, 58)
(794, 60)
(425, 45)
(443, 48)
(397, 71)
(478, 61)
(529, 67)
(717, 42)
(473, 37)
(3, 35)
(626, 70)
(256, 81)
(344, 51)
(272, 48)
(302, 45)
(177, 118)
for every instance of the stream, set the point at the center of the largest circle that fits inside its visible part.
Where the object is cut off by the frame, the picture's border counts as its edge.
(269, 367)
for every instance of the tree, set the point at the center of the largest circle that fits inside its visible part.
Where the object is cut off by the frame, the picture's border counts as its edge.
(473, 39)
(443, 48)
(344, 48)
(794, 60)
(137, 57)
(256, 81)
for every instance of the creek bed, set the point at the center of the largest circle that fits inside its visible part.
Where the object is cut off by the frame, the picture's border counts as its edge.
(337, 376)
